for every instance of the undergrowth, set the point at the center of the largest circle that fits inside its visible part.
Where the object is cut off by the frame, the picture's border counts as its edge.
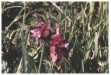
(83, 25)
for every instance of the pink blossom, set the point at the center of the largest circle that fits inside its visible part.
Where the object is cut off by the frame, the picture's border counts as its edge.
(53, 54)
(35, 33)
(57, 47)
(41, 30)
(64, 45)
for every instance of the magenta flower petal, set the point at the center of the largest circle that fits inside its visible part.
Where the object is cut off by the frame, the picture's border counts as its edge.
(54, 58)
(57, 46)
(64, 45)
(53, 54)
(56, 40)
(45, 33)
(41, 30)
(35, 33)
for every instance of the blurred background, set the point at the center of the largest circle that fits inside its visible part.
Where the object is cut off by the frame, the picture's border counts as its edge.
(83, 24)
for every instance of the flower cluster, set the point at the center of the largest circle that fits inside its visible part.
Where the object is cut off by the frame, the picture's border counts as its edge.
(57, 47)
(57, 43)
(41, 30)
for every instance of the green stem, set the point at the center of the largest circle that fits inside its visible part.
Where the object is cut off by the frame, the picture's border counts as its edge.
(40, 64)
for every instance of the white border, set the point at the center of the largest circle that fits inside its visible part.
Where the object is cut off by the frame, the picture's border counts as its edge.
(67, 0)
(55, 0)
(109, 37)
(0, 38)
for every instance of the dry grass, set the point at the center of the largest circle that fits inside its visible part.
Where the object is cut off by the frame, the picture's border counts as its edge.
(84, 25)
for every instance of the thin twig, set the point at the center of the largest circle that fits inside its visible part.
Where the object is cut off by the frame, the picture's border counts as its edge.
(24, 47)
(11, 7)
(14, 20)
(96, 42)
(82, 62)
(55, 5)
(40, 64)
(19, 66)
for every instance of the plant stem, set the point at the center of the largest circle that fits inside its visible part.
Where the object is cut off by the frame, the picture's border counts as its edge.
(14, 20)
(40, 64)
(19, 66)
(82, 66)
(24, 47)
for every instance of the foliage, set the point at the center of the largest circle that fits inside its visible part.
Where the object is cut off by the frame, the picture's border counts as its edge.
(84, 25)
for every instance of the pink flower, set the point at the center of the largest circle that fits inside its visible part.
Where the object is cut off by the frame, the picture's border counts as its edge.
(53, 54)
(56, 40)
(41, 30)
(64, 45)
(57, 47)
(35, 33)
